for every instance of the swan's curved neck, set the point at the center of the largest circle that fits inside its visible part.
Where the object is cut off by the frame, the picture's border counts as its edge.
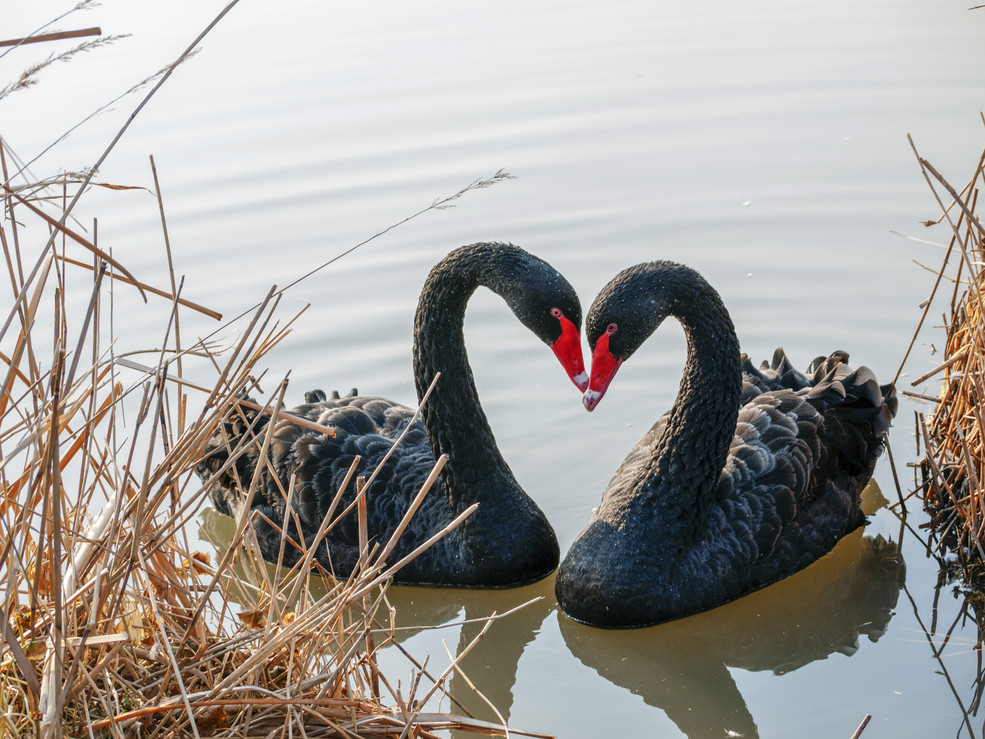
(689, 456)
(454, 419)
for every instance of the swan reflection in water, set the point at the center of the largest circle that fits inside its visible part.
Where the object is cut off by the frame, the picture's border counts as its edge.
(491, 665)
(683, 667)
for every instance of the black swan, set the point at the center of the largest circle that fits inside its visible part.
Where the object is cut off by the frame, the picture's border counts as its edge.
(507, 541)
(751, 476)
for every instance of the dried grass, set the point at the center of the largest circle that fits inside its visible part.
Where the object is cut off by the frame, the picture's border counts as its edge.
(113, 624)
(952, 466)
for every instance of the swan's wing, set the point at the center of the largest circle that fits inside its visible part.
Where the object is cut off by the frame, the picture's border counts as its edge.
(317, 464)
(366, 427)
(766, 479)
(803, 447)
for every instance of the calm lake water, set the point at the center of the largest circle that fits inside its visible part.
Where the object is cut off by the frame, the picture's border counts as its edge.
(763, 143)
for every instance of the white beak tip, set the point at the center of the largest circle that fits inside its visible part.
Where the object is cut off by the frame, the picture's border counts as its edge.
(581, 381)
(591, 399)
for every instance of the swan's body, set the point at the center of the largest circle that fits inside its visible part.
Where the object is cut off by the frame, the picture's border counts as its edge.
(750, 477)
(507, 540)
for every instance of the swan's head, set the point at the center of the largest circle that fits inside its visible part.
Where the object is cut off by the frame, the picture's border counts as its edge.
(556, 319)
(622, 317)
(547, 304)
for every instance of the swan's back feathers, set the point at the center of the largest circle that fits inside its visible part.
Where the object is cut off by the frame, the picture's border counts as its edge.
(227, 484)
(765, 481)
(776, 374)
(804, 446)
(366, 427)
(851, 396)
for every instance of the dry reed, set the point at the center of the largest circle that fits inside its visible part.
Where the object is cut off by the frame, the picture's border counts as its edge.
(113, 624)
(952, 438)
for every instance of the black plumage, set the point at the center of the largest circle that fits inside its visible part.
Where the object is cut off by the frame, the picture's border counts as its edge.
(751, 476)
(507, 540)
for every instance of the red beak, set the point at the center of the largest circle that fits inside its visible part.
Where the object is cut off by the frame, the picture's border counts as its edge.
(567, 349)
(604, 367)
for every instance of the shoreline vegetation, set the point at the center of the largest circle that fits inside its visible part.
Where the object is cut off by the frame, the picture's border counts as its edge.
(114, 625)
(948, 477)
(950, 472)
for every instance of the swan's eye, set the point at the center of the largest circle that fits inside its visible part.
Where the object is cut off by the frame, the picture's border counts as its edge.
(556, 312)
(611, 328)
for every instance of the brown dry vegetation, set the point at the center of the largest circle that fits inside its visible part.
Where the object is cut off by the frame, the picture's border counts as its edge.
(113, 623)
(952, 438)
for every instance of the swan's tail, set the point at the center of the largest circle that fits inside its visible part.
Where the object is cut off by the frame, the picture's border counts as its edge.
(854, 394)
